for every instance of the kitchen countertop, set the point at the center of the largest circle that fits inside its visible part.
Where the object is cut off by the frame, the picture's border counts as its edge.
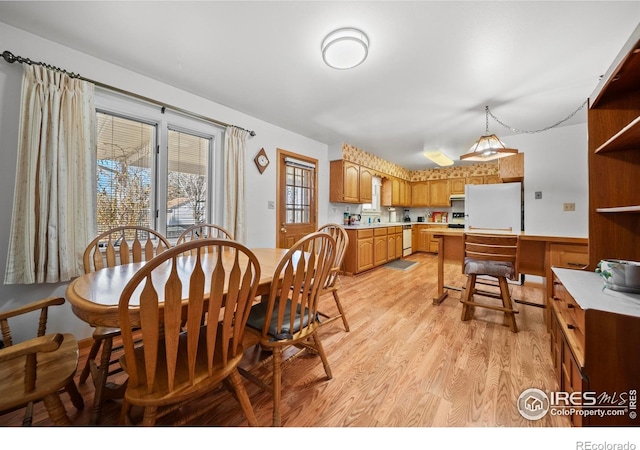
(587, 289)
(388, 224)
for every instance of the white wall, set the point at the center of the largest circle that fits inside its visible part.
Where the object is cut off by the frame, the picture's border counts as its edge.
(556, 164)
(259, 188)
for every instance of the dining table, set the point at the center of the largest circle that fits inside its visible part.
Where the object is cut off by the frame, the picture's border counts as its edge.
(94, 296)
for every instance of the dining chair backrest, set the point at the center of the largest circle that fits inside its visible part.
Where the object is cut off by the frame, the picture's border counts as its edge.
(209, 293)
(203, 231)
(123, 245)
(339, 234)
(302, 274)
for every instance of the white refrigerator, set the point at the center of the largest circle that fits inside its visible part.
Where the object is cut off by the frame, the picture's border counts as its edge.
(493, 206)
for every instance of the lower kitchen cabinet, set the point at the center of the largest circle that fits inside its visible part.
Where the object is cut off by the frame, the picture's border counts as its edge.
(594, 346)
(380, 246)
(372, 247)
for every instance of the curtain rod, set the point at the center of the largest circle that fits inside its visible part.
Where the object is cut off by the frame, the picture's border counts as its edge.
(11, 58)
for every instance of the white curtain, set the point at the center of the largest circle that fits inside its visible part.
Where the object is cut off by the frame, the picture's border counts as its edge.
(235, 210)
(54, 200)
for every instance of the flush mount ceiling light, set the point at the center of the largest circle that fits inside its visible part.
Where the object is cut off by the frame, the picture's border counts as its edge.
(345, 48)
(439, 158)
(488, 147)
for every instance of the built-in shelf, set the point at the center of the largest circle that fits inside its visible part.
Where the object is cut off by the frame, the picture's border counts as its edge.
(620, 209)
(627, 138)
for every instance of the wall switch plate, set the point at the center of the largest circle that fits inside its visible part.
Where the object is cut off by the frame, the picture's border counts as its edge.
(538, 195)
(568, 206)
(271, 204)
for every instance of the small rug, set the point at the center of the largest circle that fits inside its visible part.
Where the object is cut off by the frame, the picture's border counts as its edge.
(400, 264)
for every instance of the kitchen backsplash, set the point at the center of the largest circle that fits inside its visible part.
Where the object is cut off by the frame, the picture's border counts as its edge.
(355, 155)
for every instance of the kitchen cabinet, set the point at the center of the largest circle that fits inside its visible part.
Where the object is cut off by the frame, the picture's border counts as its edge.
(366, 184)
(613, 123)
(380, 246)
(594, 342)
(359, 253)
(439, 193)
(349, 183)
(395, 192)
(568, 256)
(492, 179)
(474, 180)
(420, 194)
(457, 186)
(512, 168)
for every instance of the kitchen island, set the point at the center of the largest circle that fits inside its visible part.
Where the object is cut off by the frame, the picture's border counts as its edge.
(536, 255)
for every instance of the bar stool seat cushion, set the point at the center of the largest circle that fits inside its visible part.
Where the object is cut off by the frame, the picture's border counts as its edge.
(491, 268)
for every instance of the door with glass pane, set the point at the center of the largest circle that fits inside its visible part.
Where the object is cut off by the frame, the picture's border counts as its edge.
(297, 197)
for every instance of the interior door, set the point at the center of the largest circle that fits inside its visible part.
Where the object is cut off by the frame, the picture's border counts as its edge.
(297, 208)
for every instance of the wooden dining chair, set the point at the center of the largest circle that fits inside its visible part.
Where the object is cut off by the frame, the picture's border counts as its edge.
(183, 361)
(117, 246)
(290, 315)
(495, 256)
(203, 231)
(38, 368)
(332, 284)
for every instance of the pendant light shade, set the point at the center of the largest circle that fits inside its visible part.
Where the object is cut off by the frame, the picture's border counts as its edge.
(345, 48)
(487, 147)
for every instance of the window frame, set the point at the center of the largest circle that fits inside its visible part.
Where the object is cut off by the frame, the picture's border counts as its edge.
(113, 103)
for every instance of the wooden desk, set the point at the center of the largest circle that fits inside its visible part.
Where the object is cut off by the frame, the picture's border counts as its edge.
(533, 254)
(94, 296)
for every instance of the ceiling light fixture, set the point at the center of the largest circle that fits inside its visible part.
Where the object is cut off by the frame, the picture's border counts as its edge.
(439, 158)
(345, 48)
(488, 147)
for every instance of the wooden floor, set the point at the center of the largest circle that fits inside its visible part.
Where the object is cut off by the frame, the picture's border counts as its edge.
(405, 363)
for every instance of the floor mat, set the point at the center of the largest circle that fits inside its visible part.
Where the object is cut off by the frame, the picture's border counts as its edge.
(401, 264)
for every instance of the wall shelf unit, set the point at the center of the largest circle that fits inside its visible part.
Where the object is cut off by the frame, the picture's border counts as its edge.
(613, 122)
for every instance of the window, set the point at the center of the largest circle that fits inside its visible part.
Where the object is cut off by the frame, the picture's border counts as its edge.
(123, 175)
(299, 187)
(155, 168)
(187, 181)
(374, 206)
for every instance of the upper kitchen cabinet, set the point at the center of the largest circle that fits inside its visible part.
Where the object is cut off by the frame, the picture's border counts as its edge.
(456, 185)
(395, 192)
(420, 194)
(439, 193)
(512, 168)
(613, 122)
(349, 183)
(492, 179)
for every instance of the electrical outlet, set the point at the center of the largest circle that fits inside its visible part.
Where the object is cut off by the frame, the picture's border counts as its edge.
(271, 204)
(538, 195)
(568, 206)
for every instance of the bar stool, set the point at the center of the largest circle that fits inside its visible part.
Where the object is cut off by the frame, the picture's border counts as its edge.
(491, 255)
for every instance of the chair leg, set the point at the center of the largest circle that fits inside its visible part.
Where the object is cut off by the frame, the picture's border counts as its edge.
(243, 398)
(506, 302)
(100, 379)
(323, 355)
(276, 385)
(149, 416)
(341, 310)
(91, 358)
(55, 408)
(467, 311)
(76, 398)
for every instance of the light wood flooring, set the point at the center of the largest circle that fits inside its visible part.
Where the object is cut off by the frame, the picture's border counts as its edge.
(405, 363)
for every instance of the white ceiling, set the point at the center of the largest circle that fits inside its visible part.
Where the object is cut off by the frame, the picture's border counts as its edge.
(432, 66)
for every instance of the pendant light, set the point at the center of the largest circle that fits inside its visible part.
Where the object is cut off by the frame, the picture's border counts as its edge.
(488, 147)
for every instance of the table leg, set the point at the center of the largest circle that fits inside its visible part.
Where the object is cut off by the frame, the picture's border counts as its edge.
(442, 292)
